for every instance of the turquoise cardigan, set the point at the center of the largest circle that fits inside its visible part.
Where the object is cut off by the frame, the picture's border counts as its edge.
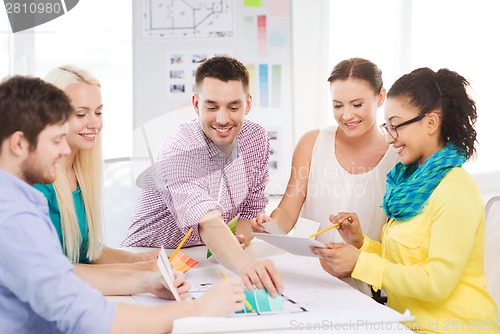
(49, 191)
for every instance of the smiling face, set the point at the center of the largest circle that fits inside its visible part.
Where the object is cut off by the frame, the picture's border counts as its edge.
(221, 108)
(87, 120)
(355, 106)
(416, 141)
(40, 165)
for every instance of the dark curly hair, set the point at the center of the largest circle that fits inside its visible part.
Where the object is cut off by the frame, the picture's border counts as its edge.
(445, 91)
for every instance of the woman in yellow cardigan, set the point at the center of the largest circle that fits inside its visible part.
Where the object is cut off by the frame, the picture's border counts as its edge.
(430, 258)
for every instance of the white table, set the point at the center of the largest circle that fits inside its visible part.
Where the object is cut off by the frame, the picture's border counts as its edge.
(333, 306)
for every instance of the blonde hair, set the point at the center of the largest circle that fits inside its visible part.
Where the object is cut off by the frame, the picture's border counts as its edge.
(88, 170)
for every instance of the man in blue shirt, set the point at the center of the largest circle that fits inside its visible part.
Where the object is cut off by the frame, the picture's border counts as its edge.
(39, 291)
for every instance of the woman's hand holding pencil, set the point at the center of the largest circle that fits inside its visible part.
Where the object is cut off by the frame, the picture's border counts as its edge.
(325, 230)
(339, 259)
(349, 228)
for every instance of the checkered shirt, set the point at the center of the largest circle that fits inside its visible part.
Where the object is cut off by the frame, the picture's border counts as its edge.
(192, 177)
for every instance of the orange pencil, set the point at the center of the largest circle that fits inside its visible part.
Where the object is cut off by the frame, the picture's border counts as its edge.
(180, 245)
(327, 228)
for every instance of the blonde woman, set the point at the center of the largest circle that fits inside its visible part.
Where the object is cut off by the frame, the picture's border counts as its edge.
(75, 197)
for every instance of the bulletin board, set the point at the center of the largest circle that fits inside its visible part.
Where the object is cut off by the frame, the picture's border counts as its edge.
(171, 38)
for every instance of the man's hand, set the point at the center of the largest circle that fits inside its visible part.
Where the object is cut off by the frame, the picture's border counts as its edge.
(243, 232)
(257, 223)
(227, 251)
(263, 275)
(241, 239)
(225, 297)
(159, 287)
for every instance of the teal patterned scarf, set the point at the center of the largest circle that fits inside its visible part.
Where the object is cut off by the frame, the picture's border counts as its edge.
(409, 187)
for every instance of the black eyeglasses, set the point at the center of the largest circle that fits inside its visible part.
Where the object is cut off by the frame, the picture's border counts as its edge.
(392, 130)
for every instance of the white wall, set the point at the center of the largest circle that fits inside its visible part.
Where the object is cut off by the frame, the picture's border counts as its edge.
(312, 58)
(311, 97)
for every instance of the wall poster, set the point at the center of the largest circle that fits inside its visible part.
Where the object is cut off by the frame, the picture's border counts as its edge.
(171, 37)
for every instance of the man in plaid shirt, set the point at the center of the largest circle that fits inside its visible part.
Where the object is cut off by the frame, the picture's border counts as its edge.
(210, 170)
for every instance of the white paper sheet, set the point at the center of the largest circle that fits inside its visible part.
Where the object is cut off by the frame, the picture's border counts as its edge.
(331, 304)
(293, 245)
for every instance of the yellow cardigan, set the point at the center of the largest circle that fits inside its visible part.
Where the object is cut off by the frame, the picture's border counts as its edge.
(433, 263)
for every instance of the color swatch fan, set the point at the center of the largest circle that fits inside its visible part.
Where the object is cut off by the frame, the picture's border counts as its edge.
(182, 262)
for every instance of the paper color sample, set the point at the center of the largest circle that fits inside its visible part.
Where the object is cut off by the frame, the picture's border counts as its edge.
(262, 302)
(262, 36)
(264, 85)
(276, 86)
(252, 3)
(182, 262)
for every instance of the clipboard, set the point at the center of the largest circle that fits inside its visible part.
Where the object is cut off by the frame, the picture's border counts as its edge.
(293, 245)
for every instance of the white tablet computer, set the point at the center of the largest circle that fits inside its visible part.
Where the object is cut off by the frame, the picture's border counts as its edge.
(293, 245)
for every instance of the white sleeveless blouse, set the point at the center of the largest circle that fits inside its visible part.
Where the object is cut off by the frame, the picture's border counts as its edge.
(331, 189)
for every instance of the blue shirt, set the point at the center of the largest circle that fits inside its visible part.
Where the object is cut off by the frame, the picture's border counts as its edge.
(39, 291)
(55, 215)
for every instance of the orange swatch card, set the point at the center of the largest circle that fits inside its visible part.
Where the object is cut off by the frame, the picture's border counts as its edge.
(182, 262)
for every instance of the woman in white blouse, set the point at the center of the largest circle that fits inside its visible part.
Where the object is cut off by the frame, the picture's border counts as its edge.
(341, 168)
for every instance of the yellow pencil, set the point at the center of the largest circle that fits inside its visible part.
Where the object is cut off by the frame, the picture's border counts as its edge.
(247, 304)
(327, 228)
(180, 245)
